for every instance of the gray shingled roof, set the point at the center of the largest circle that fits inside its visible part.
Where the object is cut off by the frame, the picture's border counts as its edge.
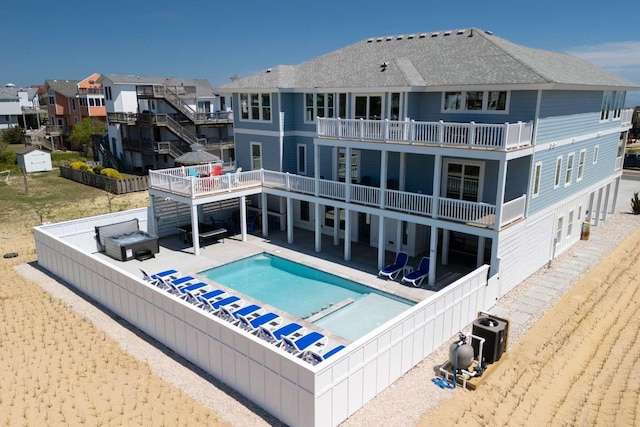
(453, 58)
(203, 87)
(68, 88)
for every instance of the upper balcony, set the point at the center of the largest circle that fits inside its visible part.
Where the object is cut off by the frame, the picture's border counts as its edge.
(179, 181)
(499, 137)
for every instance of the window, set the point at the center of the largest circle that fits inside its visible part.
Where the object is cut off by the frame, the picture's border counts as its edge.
(302, 159)
(463, 180)
(606, 105)
(487, 101)
(92, 102)
(255, 106)
(368, 107)
(323, 105)
(355, 161)
(73, 104)
(569, 172)
(596, 150)
(570, 224)
(559, 230)
(536, 179)
(52, 101)
(304, 210)
(329, 217)
(107, 93)
(556, 179)
(618, 104)
(256, 155)
(583, 154)
(394, 108)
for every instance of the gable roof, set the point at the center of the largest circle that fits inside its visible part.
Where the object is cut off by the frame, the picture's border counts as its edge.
(434, 60)
(28, 150)
(203, 86)
(68, 88)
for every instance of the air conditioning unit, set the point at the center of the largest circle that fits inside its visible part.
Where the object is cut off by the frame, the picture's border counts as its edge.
(494, 332)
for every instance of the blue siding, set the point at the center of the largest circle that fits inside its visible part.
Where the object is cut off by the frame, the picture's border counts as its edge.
(270, 151)
(565, 114)
(419, 170)
(290, 112)
(604, 168)
(427, 107)
(490, 185)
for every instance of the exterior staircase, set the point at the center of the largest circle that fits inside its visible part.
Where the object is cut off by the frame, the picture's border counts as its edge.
(38, 138)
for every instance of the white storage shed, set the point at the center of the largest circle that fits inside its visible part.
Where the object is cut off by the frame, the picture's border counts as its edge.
(32, 159)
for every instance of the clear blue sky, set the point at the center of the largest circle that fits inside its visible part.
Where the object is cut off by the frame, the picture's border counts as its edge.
(216, 39)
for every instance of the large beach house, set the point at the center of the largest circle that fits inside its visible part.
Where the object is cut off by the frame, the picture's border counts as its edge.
(450, 144)
(483, 155)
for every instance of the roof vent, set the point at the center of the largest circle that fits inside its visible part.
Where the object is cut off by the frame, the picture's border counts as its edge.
(383, 66)
(379, 40)
(389, 38)
(489, 32)
(434, 35)
(447, 33)
(410, 36)
(370, 41)
(460, 32)
(269, 70)
(400, 37)
(423, 35)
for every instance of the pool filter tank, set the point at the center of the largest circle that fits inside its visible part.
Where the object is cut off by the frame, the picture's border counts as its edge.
(461, 353)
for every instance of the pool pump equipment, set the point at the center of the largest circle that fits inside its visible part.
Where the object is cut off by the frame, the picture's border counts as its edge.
(473, 354)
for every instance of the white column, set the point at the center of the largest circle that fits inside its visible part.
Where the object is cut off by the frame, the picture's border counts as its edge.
(318, 226)
(437, 172)
(316, 168)
(381, 250)
(480, 254)
(502, 179)
(347, 235)
(590, 207)
(605, 212)
(195, 234)
(347, 174)
(615, 195)
(265, 214)
(243, 218)
(433, 253)
(383, 177)
(289, 220)
(336, 226)
(445, 246)
(598, 207)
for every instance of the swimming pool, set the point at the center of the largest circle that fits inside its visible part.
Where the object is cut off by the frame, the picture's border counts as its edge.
(303, 291)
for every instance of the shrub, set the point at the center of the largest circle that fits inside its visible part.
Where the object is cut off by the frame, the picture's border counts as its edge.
(635, 204)
(97, 169)
(111, 173)
(81, 166)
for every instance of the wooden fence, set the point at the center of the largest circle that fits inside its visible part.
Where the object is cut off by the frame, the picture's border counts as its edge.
(115, 186)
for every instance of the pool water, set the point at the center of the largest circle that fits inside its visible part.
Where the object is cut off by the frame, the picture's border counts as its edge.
(303, 291)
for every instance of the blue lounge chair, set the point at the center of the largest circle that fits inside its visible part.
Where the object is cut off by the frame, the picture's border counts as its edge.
(230, 313)
(417, 276)
(292, 330)
(269, 320)
(207, 299)
(392, 271)
(296, 346)
(315, 357)
(167, 274)
(191, 292)
(231, 302)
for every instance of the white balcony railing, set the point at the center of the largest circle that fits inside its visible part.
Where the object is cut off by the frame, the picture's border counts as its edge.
(504, 137)
(180, 181)
(626, 117)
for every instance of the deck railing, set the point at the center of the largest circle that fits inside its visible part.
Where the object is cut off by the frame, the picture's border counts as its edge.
(503, 137)
(180, 181)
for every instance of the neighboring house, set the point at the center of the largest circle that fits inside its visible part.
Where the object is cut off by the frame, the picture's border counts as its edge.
(63, 109)
(91, 98)
(19, 107)
(458, 145)
(153, 120)
(31, 159)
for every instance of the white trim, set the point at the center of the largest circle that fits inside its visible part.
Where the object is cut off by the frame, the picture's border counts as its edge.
(537, 178)
(596, 151)
(250, 119)
(274, 133)
(568, 173)
(557, 172)
(570, 224)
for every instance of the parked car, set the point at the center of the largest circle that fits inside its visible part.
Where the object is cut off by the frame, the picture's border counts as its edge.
(631, 160)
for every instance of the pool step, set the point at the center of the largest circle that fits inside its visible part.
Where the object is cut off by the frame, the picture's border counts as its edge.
(329, 310)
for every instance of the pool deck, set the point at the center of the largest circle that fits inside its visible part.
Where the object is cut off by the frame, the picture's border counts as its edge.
(361, 268)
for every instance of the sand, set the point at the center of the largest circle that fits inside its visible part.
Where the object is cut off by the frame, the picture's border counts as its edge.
(576, 366)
